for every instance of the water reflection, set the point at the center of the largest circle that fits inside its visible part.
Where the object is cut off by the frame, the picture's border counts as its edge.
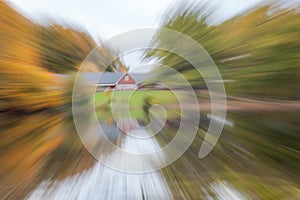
(103, 182)
(42, 157)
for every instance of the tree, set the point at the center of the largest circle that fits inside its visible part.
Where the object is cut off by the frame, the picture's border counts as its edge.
(259, 50)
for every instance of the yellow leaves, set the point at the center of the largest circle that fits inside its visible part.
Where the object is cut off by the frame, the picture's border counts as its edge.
(24, 84)
(89, 67)
(25, 147)
(26, 87)
(63, 49)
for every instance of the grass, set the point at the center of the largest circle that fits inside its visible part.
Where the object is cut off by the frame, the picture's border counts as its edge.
(138, 102)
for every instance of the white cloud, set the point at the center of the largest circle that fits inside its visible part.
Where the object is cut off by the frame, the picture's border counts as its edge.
(104, 18)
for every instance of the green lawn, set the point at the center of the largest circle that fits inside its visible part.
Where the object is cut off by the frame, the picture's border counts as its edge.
(138, 101)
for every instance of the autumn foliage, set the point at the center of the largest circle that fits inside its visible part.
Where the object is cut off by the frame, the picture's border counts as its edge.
(31, 55)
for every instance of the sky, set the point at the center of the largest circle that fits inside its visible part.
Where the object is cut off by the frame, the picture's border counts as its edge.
(107, 18)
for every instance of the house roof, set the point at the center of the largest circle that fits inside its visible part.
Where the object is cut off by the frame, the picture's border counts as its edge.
(111, 78)
(107, 78)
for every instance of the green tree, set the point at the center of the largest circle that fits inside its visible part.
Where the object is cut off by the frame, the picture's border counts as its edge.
(259, 49)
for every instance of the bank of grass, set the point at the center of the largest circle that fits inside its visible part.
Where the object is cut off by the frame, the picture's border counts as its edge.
(138, 102)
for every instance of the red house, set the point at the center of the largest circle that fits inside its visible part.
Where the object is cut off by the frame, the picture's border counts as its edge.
(116, 81)
(126, 82)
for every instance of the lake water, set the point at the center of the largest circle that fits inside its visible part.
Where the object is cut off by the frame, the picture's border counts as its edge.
(257, 157)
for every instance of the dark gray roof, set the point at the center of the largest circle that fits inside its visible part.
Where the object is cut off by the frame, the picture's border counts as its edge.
(110, 77)
(101, 78)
